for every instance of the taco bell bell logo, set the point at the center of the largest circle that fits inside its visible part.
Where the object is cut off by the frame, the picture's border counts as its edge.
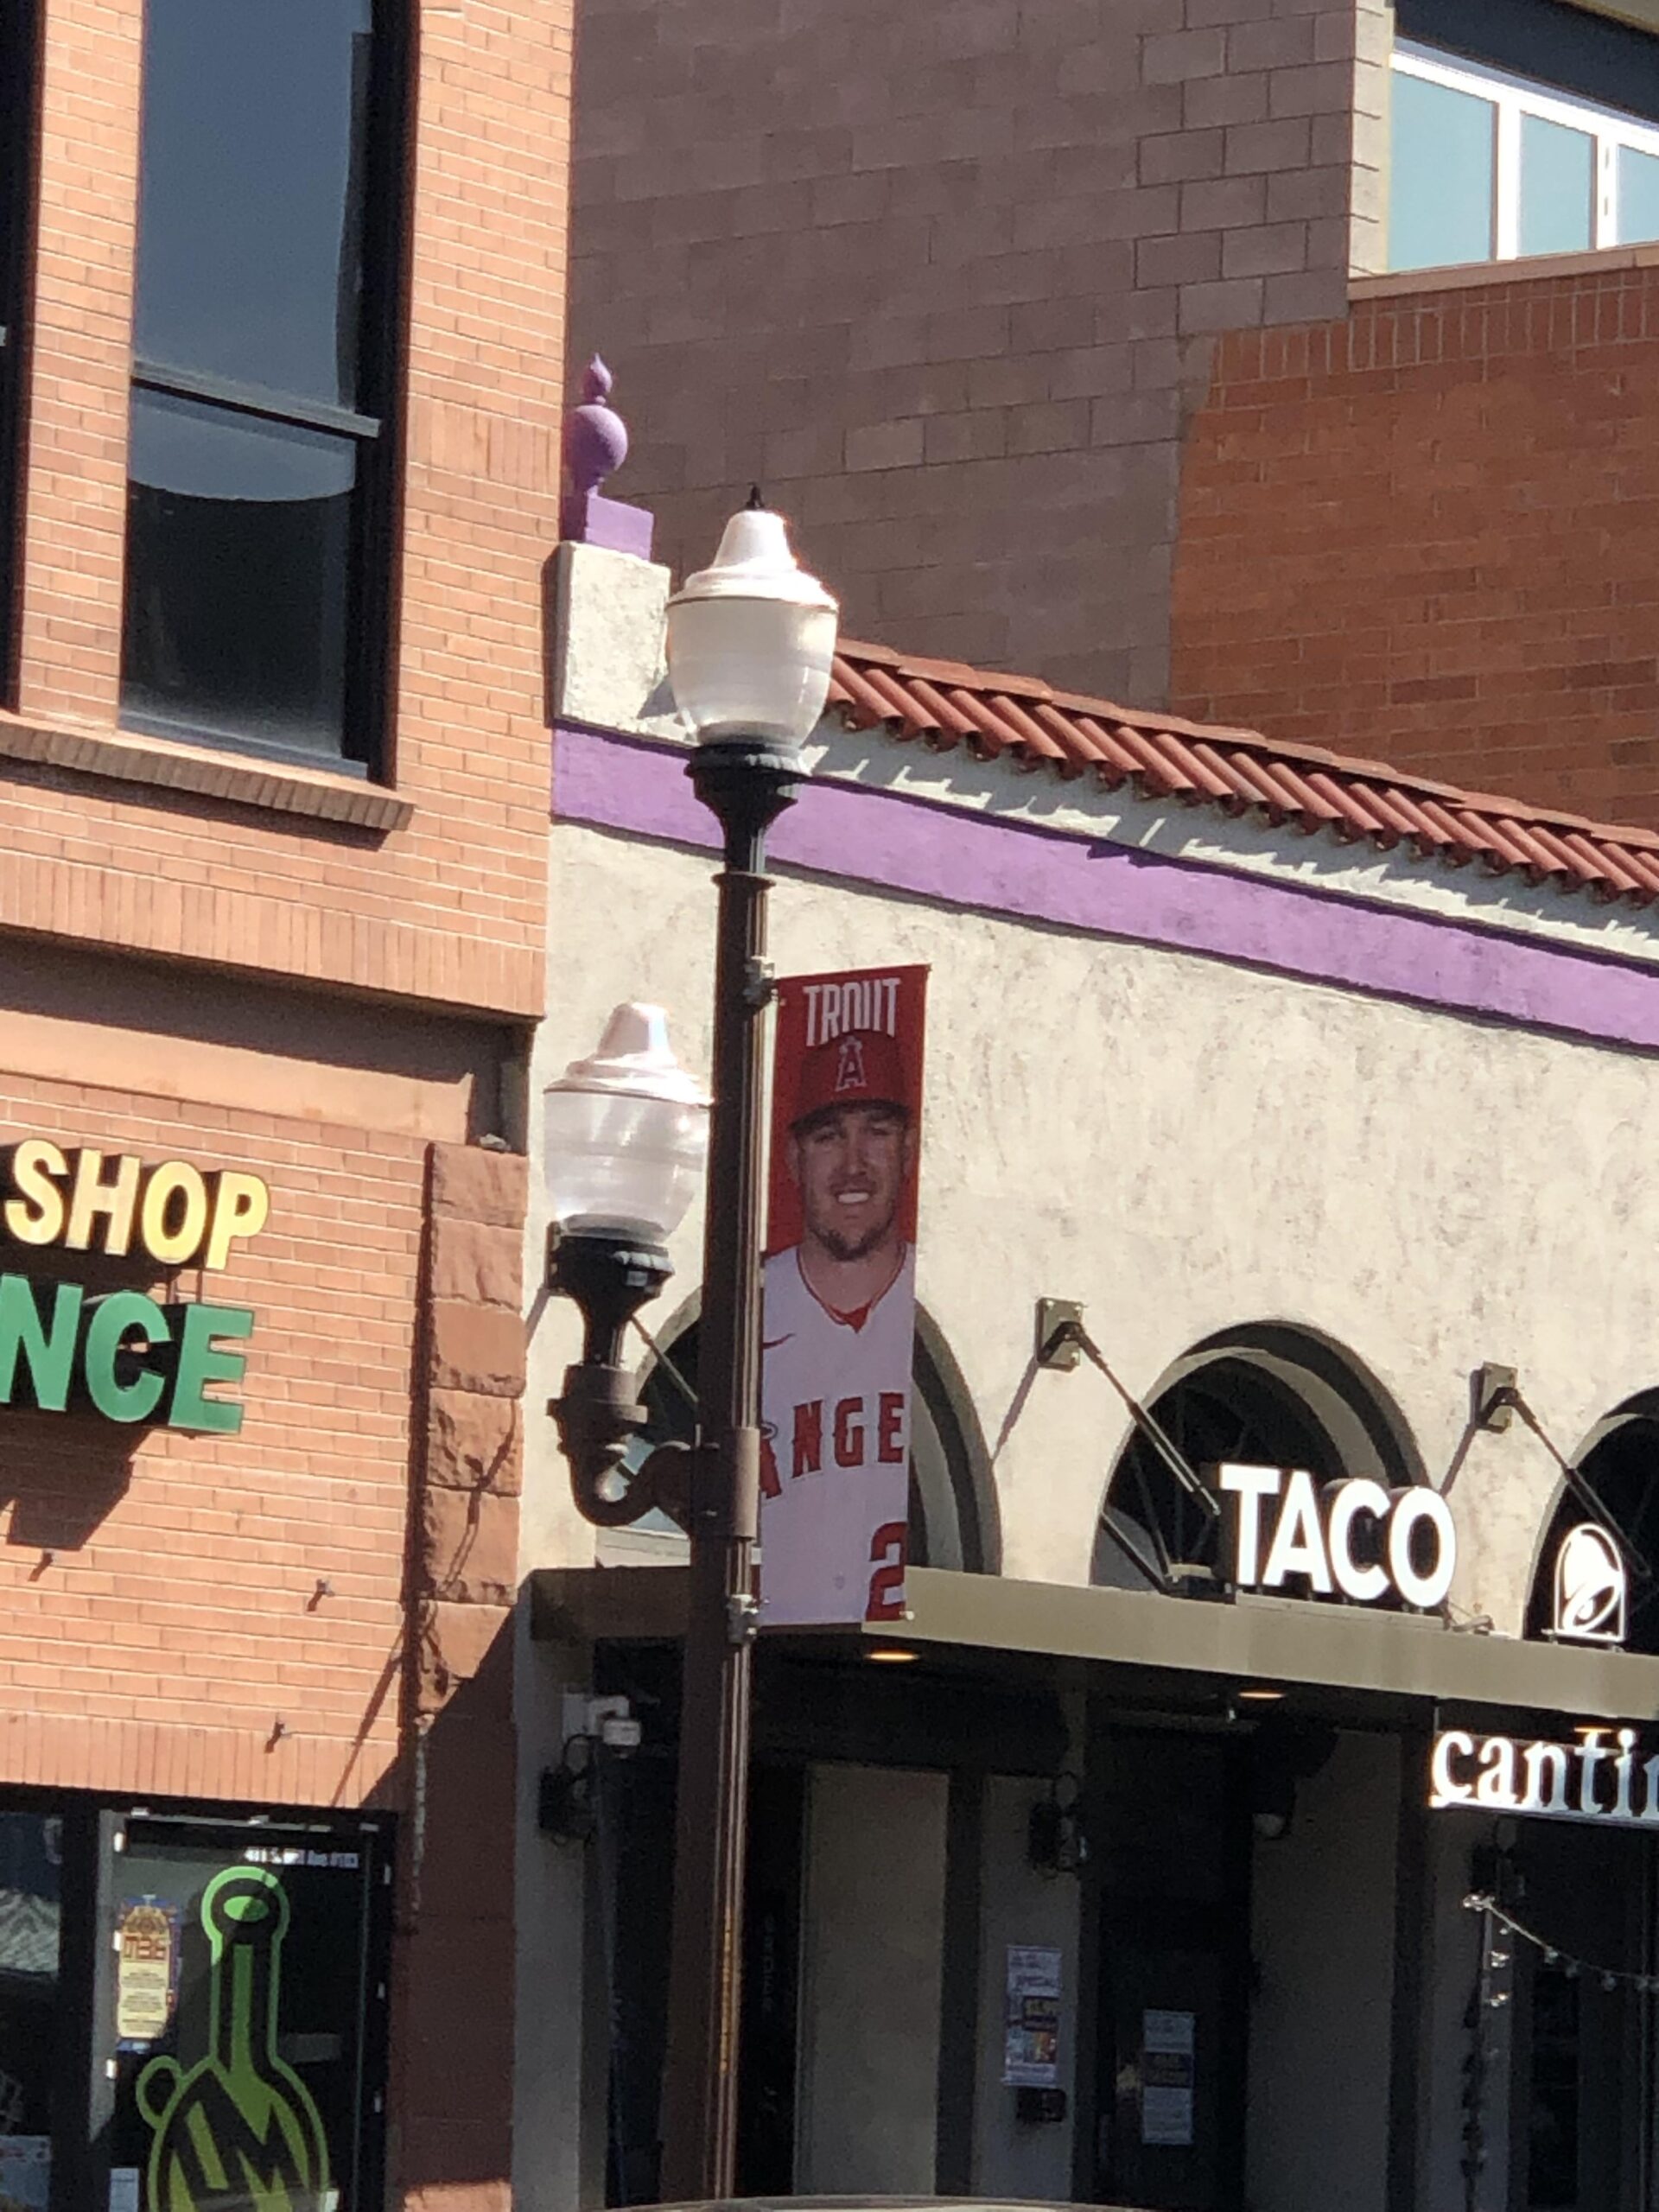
(1590, 1587)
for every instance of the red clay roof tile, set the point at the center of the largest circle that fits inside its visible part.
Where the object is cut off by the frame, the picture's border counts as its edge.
(1236, 770)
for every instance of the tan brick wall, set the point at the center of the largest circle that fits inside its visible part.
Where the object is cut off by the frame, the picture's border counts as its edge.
(449, 907)
(1431, 534)
(944, 279)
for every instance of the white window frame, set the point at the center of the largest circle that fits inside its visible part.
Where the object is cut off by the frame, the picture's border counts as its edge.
(1515, 98)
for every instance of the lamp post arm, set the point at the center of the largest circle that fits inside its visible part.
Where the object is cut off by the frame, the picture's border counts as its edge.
(746, 785)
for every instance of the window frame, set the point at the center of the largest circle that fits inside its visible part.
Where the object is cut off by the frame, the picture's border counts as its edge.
(1513, 99)
(366, 718)
(20, 37)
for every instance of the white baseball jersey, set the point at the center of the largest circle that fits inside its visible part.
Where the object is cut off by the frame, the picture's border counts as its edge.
(835, 1399)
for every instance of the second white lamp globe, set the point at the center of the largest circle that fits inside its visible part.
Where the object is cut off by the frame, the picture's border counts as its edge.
(751, 638)
(626, 1132)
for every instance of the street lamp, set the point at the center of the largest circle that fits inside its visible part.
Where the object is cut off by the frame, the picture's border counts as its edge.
(626, 1132)
(750, 643)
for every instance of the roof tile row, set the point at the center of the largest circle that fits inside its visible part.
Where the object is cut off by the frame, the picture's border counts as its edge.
(945, 704)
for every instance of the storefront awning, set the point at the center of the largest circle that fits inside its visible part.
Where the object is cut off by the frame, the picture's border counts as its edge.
(1400, 1657)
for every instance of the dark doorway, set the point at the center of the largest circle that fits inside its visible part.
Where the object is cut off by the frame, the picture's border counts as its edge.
(1170, 1830)
(1582, 2103)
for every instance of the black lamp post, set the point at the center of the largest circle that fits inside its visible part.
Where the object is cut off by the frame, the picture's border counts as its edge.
(750, 642)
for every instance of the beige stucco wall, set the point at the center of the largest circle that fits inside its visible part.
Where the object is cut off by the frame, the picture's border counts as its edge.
(1185, 1145)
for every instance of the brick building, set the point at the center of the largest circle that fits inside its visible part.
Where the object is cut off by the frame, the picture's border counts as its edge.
(1285, 361)
(280, 406)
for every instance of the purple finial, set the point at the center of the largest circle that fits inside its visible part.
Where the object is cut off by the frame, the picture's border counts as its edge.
(596, 436)
(595, 447)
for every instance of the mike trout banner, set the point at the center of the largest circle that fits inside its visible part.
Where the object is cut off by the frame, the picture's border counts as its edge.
(841, 1296)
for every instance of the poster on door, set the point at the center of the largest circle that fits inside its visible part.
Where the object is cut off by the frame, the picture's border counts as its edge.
(1168, 2050)
(1031, 2031)
(840, 1296)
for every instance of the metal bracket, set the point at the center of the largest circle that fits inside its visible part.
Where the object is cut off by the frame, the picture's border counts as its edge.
(759, 983)
(1059, 1324)
(1492, 1391)
(742, 1618)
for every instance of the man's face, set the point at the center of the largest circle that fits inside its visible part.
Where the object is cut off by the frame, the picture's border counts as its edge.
(850, 1164)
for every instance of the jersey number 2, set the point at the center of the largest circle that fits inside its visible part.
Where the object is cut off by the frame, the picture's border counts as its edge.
(888, 1583)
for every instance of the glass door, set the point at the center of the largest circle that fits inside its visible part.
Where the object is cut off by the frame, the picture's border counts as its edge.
(241, 2023)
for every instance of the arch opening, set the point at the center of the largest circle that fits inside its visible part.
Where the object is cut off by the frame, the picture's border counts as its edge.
(1266, 1394)
(1618, 1463)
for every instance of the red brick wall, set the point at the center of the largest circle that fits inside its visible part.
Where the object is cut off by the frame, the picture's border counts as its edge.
(1430, 533)
(449, 905)
(177, 1620)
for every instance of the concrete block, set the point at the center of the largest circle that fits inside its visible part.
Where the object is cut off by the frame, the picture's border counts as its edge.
(1224, 203)
(1147, 312)
(1285, 144)
(1171, 57)
(884, 445)
(1281, 42)
(1267, 249)
(469, 1183)
(1087, 371)
(1190, 258)
(607, 651)
(457, 1642)
(470, 1260)
(1319, 88)
(1315, 296)
(478, 1348)
(1179, 155)
(1209, 103)
(474, 1442)
(978, 435)
(1298, 196)
(1056, 426)
(1042, 326)
(468, 1546)
(1234, 305)
(1135, 419)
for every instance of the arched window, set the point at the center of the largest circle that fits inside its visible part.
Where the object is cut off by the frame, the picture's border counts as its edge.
(1619, 1464)
(1268, 1396)
(953, 1521)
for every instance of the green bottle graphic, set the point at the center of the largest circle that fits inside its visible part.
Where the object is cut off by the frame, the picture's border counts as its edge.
(236, 2132)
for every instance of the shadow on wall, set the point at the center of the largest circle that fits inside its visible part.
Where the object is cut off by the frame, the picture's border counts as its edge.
(94, 1363)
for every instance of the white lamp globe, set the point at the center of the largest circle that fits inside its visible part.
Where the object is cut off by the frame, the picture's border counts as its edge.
(751, 638)
(625, 1133)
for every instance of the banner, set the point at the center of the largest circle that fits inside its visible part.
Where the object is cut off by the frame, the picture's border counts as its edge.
(840, 1302)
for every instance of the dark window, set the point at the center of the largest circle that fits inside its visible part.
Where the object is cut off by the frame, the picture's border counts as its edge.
(1618, 1491)
(256, 536)
(17, 90)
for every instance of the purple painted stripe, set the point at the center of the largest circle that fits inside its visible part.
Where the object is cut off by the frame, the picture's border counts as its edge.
(1007, 867)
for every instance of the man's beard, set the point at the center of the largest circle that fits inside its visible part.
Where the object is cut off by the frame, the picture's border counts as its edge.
(859, 1245)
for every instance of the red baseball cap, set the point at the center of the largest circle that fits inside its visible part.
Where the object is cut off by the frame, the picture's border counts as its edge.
(859, 1068)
